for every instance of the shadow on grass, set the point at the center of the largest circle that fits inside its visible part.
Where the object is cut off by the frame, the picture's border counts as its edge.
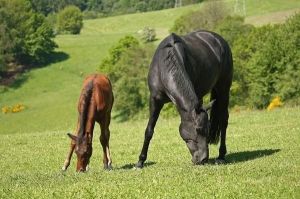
(54, 57)
(132, 165)
(15, 77)
(244, 156)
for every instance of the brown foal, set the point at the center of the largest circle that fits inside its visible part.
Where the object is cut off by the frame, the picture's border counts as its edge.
(95, 104)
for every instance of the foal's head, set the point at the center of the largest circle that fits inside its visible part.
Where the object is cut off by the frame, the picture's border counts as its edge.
(195, 132)
(83, 150)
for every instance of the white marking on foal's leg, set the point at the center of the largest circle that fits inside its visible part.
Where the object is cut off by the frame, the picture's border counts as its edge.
(66, 165)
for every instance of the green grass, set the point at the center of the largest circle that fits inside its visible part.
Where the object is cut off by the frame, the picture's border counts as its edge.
(263, 151)
(33, 143)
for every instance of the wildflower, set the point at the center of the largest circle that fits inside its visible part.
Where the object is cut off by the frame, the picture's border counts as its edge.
(276, 102)
(6, 109)
(18, 108)
(14, 109)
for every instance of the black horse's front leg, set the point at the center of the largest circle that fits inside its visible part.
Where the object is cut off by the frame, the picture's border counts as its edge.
(155, 108)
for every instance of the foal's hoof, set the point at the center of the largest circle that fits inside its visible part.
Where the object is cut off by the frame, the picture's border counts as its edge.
(108, 167)
(64, 168)
(139, 165)
(220, 161)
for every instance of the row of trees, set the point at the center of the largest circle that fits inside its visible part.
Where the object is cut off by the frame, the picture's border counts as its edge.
(266, 61)
(106, 7)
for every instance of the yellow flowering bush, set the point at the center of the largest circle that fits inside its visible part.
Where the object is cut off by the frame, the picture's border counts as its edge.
(276, 102)
(14, 109)
(6, 109)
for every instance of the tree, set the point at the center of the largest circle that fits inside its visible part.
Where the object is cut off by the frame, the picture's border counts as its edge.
(70, 20)
(268, 61)
(127, 66)
(25, 37)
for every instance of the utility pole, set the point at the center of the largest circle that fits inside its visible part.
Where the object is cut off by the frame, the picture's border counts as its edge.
(178, 3)
(240, 7)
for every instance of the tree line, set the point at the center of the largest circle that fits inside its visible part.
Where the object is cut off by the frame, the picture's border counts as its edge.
(106, 7)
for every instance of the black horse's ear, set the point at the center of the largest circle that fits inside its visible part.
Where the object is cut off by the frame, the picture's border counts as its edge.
(209, 106)
(73, 137)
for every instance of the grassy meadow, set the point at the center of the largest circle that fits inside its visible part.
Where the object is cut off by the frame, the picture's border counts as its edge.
(263, 155)
(263, 147)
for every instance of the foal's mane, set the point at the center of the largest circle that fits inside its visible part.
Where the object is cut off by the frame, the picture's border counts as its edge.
(85, 99)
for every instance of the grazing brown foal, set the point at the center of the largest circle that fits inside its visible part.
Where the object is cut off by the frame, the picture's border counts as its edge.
(95, 104)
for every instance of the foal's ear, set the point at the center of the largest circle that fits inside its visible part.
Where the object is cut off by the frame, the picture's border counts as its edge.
(73, 137)
(208, 106)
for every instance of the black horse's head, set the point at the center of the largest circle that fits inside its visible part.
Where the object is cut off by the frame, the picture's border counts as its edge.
(195, 132)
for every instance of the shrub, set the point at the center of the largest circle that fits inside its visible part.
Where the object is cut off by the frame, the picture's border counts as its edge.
(127, 67)
(70, 20)
(276, 102)
(267, 61)
(148, 34)
(109, 64)
(25, 36)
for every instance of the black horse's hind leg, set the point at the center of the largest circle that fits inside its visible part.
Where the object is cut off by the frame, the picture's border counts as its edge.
(155, 108)
(223, 108)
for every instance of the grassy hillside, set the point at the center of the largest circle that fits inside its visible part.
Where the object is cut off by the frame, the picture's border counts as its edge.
(50, 92)
(263, 155)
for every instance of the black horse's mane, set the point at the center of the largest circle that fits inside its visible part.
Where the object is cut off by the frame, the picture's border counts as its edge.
(175, 67)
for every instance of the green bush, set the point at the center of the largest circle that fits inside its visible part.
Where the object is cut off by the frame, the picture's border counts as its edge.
(25, 36)
(267, 61)
(127, 67)
(70, 20)
(109, 64)
(148, 34)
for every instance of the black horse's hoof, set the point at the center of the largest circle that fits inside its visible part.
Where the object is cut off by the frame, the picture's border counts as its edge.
(139, 165)
(220, 161)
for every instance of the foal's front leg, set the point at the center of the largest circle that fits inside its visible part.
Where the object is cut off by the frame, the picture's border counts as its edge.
(69, 156)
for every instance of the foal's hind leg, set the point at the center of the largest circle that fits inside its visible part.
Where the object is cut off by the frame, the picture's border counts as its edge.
(155, 108)
(104, 140)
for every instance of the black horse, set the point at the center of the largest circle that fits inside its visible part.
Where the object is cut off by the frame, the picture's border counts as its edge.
(183, 70)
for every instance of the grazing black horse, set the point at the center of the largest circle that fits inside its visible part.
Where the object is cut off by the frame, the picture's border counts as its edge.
(183, 70)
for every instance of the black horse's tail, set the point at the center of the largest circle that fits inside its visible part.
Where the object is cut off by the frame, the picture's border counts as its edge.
(220, 93)
(84, 102)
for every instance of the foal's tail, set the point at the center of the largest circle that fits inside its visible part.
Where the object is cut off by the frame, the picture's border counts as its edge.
(84, 102)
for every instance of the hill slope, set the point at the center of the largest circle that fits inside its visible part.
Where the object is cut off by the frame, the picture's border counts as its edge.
(50, 93)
